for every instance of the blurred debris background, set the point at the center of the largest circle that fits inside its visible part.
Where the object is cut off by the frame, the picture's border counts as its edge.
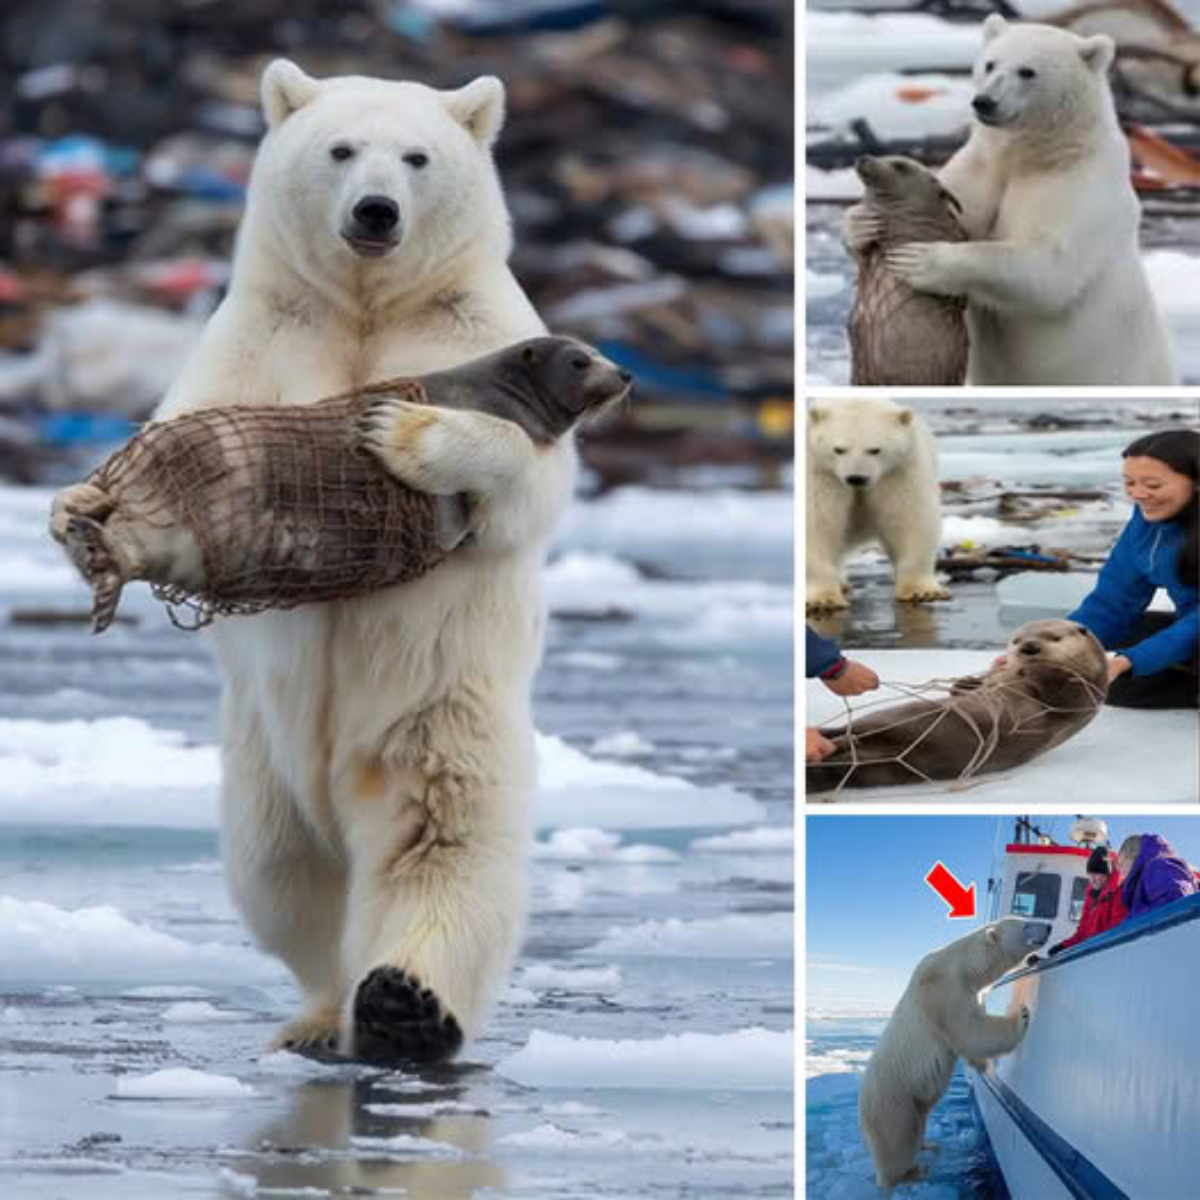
(647, 159)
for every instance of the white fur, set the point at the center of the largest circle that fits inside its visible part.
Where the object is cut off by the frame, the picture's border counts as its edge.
(900, 506)
(378, 753)
(937, 1021)
(1056, 290)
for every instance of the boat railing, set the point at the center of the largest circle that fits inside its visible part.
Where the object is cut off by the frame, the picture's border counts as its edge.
(1178, 912)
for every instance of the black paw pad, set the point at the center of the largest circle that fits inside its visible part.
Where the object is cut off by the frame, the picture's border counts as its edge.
(396, 1020)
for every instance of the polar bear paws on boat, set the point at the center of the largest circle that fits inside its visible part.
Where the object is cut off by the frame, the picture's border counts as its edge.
(939, 1020)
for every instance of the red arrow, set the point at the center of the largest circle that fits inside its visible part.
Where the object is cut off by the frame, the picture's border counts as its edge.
(960, 899)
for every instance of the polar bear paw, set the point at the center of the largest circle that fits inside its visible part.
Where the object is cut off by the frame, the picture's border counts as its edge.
(862, 226)
(394, 430)
(397, 1020)
(78, 500)
(824, 599)
(315, 1035)
(924, 266)
(921, 591)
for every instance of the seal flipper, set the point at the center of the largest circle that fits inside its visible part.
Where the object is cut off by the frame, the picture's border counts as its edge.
(89, 550)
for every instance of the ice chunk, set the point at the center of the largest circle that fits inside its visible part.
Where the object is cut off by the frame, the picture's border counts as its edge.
(734, 936)
(181, 1083)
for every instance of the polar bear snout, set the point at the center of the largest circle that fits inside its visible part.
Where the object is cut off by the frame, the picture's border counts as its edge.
(374, 226)
(985, 108)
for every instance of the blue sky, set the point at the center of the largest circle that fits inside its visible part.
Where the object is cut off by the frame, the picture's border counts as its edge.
(871, 915)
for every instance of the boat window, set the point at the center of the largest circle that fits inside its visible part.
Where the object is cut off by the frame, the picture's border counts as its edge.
(1078, 893)
(1036, 895)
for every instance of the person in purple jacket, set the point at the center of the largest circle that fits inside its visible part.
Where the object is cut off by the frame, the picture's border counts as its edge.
(1155, 659)
(1154, 874)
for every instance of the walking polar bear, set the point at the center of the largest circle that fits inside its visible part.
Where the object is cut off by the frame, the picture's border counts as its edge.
(939, 1020)
(378, 754)
(871, 475)
(1056, 290)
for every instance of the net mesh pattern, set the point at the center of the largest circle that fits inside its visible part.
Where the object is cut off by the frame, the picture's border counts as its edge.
(950, 698)
(285, 504)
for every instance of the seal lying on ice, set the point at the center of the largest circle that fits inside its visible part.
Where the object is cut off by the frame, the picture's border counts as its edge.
(1052, 683)
(239, 509)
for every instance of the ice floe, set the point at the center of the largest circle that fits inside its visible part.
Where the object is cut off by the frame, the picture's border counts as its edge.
(181, 1083)
(738, 935)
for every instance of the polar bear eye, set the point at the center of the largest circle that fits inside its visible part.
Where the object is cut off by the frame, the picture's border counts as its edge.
(839, 449)
(417, 159)
(1027, 73)
(874, 450)
(989, 67)
(341, 152)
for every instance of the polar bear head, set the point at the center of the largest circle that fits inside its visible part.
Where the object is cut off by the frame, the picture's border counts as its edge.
(992, 950)
(1037, 78)
(356, 171)
(859, 440)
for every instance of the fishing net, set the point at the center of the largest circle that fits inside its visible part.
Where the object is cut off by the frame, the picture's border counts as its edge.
(950, 700)
(284, 504)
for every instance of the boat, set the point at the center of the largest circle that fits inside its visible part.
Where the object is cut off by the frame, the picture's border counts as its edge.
(1101, 1100)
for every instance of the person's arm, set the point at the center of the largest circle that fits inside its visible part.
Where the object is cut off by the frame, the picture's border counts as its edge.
(1175, 644)
(1122, 593)
(1164, 881)
(821, 655)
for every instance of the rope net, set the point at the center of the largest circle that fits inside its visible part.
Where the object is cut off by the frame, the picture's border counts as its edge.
(942, 700)
(283, 504)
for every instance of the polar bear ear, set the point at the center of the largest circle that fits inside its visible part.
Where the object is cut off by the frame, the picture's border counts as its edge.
(1098, 53)
(478, 108)
(992, 934)
(904, 416)
(285, 88)
(993, 27)
(817, 413)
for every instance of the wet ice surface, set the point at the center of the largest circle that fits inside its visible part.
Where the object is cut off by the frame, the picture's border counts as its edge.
(838, 1165)
(644, 1046)
(1170, 248)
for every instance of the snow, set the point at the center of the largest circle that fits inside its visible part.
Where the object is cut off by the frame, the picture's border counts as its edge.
(597, 845)
(50, 944)
(195, 1013)
(572, 979)
(404, 1145)
(1173, 281)
(553, 1137)
(898, 106)
(735, 936)
(628, 743)
(770, 839)
(181, 1083)
(1106, 759)
(745, 1060)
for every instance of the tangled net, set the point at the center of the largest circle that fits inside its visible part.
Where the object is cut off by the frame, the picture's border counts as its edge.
(284, 505)
(955, 697)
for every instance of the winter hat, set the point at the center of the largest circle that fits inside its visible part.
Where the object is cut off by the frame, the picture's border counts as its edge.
(1098, 862)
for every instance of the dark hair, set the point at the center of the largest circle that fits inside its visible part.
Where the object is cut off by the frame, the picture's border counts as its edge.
(1179, 449)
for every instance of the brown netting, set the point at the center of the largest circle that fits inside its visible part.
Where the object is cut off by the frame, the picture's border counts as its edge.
(996, 722)
(903, 338)
(284, 504)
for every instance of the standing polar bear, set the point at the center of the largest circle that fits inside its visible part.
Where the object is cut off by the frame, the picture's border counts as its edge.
(871, 475)
(939, 1020)
(378, 754)
(1055, 287)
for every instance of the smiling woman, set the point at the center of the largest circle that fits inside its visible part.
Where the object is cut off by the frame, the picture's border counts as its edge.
(1156, 666)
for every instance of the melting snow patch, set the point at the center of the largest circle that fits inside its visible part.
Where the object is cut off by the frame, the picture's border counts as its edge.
(746, 1060)
(733, 936)
(42, 942)
(596, 845)
(770, 839)
(181, 1083)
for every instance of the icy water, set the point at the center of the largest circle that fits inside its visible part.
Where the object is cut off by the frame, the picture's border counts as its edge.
(838, 1164)
(830, 275)
(644, 1047)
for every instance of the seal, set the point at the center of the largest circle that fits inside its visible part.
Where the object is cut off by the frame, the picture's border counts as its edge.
(899, 337)
(250, 507)
(1052, 683)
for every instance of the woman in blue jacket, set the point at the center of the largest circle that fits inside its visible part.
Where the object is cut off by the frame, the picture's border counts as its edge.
(1155, 664)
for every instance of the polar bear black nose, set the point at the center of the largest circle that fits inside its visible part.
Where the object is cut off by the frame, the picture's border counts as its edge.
(984, 105)
(857, 480)
(377, 214)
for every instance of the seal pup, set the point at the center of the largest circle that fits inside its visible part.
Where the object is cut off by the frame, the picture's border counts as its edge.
(248, 507)
(1052, 683)
(899, 337)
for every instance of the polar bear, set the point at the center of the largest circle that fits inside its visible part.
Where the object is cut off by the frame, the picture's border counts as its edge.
(871, 475)
(378, 754)
(937, 1021)
(1055, 287)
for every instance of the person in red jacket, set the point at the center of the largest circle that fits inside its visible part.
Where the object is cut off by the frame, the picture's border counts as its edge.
(1103, 907)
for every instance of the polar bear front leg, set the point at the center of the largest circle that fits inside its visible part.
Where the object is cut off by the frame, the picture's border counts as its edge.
(910, 530)
(447, 451)
(975, 1036)
(438, 896)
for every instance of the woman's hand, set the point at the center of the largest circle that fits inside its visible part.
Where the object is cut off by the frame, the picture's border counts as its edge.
(853, 681)
(816, 746)
(1117, 666)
